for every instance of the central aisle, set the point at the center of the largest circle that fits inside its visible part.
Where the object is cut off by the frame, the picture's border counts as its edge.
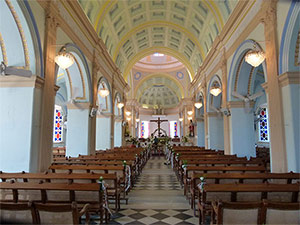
(156, 198)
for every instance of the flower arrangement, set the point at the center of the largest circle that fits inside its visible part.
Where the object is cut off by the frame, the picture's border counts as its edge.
(185, 139)
(202, 182)
(184, 164)
(100, 181)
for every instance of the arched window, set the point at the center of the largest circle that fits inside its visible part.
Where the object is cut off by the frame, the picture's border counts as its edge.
(263, 125)
(58, 125)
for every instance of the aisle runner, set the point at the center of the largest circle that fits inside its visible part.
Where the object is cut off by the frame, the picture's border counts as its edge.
(157, 198)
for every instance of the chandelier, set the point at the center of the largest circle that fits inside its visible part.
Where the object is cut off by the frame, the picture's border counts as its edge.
(215, 89)
(198, 105)
(255, 57)
(64, 59)
(120, 105)
(103, 92)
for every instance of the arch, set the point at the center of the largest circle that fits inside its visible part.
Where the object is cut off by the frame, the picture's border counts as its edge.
(209, 96)
(237, 59)
(199, 96)
(164, 50)
(80, 59)
(289, 39)
(108, 99)
(19, 38)
(118, 98)
(148, 77)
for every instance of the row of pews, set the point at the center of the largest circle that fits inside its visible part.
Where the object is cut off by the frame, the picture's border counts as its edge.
(83, 185)
(235, 190)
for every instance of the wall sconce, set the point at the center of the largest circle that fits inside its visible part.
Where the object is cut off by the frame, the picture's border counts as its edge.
(215, 89)
(120, 105)
(190, 113)
(64, 59)
(137, 120)
(190, 118)
(180, 119)
(128, 113)
(198, 105)
(128, 118)
(103, 92)
(255, 57)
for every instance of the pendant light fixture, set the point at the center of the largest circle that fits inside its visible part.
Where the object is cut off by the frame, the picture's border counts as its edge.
(215, 89)
(64, 59)
(255, 57)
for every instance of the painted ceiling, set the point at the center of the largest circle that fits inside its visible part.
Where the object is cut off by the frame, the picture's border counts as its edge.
(133, 29)
(159, 92)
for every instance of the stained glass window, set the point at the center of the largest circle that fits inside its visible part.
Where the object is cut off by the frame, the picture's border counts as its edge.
(144, 129)
(58, 125)
(175, 129)
(263, 125)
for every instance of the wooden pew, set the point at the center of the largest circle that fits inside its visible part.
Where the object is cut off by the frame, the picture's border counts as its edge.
(124, 180)
(217, 163)
(217, 178)
(223, 169)
(280, 212)
(16, 213)
(255, 212)
(221, 191)
(113, 188)
(236, 212)
(93, 189)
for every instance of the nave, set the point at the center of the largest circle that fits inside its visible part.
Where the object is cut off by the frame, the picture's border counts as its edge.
(130, 186)
(156, 198)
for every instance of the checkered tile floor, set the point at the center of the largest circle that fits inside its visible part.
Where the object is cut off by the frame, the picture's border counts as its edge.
(154, 216)
(156, 198)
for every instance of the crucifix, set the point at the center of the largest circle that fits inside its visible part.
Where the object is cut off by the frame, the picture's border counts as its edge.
(158, 121)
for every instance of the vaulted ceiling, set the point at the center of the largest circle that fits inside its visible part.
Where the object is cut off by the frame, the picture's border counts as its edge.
(133, 29)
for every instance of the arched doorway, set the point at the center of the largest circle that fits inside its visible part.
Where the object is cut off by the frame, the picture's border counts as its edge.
(248, 104)
(215, 116)
(200, 121)
(72, 105)
(20, 49)
(118, 121)
(103, 121)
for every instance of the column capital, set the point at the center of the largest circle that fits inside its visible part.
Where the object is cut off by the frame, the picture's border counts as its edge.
(270, 15)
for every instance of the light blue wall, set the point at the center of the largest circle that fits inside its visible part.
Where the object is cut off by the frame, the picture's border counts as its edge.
(102, 133)
(242, 135)
(215, 133)
(118, 134)
(77, 132)
(291, 112)
(16, 114)
(200, 134)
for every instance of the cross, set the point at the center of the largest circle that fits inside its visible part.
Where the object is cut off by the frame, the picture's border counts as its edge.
(158, 121)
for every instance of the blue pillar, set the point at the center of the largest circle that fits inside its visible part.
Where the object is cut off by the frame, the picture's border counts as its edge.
(78, 130)
(103, 132)
(215, 131)
(291, 111)
(242, 136)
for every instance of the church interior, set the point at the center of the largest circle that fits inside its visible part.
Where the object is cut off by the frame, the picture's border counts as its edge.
(149, 112)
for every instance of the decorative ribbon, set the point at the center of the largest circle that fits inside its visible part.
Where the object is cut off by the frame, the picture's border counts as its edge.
(105, 203)
(128, 175)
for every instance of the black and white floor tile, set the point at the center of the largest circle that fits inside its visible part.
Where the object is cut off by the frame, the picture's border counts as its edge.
(156, 198)
(154, 216)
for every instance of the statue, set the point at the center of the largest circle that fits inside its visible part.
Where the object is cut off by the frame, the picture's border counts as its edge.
(191, 129)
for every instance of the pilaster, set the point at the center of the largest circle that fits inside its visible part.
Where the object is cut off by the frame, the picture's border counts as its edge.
(276, 124)
(48, 95)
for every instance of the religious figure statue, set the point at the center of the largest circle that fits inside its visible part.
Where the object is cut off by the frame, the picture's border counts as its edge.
(191, 129)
